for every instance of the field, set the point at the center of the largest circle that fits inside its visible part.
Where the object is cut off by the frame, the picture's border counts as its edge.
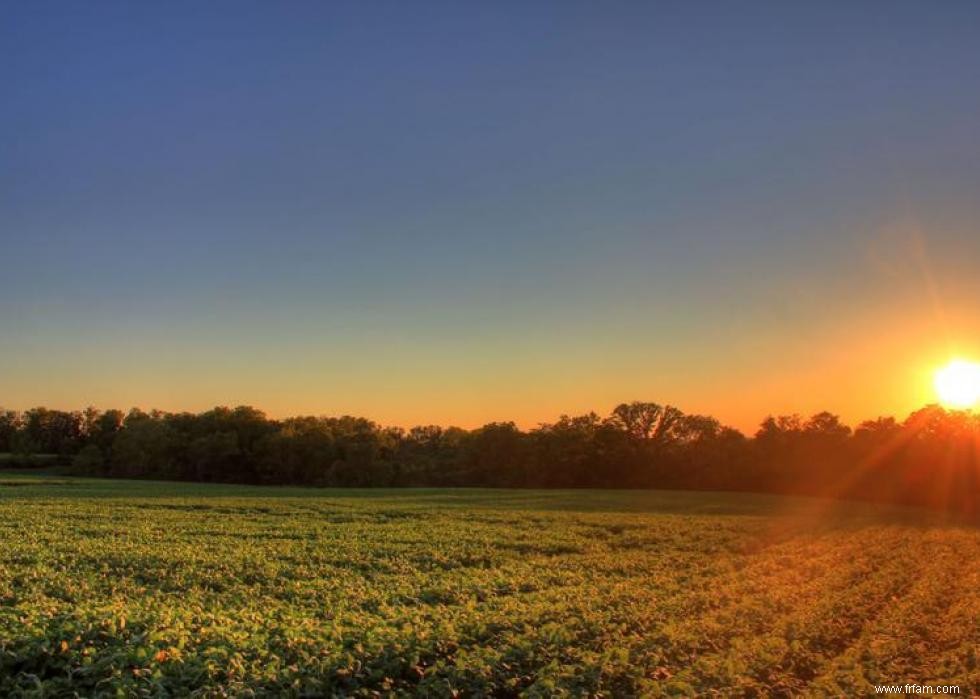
(158, 589)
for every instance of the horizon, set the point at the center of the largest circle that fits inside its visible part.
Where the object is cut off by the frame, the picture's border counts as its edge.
(446, 215)
(749, 433)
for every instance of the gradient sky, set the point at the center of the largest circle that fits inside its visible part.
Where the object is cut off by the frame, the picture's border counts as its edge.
(462, 212)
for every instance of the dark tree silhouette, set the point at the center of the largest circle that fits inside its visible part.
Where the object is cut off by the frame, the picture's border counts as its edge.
(932, 458)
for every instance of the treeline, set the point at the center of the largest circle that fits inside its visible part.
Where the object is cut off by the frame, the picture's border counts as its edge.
(932, 458)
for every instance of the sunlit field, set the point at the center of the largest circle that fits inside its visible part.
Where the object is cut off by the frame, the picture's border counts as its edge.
(158, 589)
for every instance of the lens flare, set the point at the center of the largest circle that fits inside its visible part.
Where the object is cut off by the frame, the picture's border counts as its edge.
(958, 384)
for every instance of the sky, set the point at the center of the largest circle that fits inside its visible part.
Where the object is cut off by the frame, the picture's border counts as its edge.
(458, 212)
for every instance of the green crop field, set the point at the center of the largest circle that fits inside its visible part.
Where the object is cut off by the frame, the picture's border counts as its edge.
(159, 589)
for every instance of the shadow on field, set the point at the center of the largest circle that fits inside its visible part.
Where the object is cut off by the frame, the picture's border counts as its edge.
(801, 512)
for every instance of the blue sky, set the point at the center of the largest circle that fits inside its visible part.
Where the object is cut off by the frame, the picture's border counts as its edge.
(456, 212)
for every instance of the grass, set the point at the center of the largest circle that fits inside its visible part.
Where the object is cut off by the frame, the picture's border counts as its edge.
(161, 589)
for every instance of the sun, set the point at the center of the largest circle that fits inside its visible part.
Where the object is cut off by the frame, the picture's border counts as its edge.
(958, 384)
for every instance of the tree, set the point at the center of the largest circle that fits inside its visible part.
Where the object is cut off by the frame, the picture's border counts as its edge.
(89, 460)
(214, 457)
(495, 454)
(647, 422)
(101, 428)
(53, 431)
(10, 424)
(827, 426)
(145, 447)
(931, 458)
